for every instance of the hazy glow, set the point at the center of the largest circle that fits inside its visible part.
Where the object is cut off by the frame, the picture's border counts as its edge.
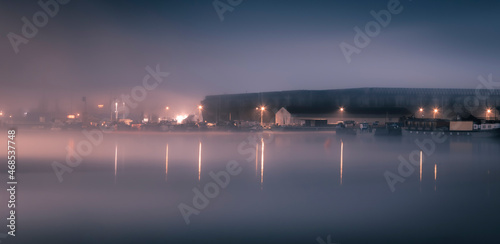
(180, 118)
(71, 116)
(100, 106)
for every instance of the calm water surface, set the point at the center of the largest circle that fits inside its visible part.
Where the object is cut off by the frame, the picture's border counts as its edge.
(292, 188)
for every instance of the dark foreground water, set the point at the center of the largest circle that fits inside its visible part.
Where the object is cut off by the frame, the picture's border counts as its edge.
(280, 188)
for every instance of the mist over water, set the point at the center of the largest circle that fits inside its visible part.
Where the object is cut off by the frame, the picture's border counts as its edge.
(313, 185)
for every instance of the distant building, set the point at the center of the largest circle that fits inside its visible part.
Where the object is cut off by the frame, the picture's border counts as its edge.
(283, 117)
(371, 104)
(299, 116)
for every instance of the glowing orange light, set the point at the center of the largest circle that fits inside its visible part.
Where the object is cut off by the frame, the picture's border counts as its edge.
(200, 107)
(71, 116)
(435, 110)
(341, 109)
(167, 108)
(262, 108)
(435, 171)
(421, 110)
(488, 111)
(100, 106)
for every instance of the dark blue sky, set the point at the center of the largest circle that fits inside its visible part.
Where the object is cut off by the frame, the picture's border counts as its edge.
(100, 48)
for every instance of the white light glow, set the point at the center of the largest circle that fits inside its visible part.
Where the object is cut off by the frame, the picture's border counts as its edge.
(180, 118)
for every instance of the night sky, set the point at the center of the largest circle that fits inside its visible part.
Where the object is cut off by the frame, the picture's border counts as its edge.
(99, 49)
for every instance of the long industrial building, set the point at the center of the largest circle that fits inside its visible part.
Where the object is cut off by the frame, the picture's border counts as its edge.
(382, 104)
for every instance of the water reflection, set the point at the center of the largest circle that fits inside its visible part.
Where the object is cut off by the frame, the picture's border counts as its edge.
(116, 159)
(166, 162)
(262, 163)
(71, 145)
(341, 159)
(420, 165)
(256, 159)
(199, 162)
(305, 188)
(435, 175)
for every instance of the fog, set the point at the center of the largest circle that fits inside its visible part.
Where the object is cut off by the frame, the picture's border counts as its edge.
(100, 49)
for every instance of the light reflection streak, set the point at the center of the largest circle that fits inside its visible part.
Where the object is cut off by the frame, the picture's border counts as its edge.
(199, 162)
(256, 159)
(341, 159)
(420, 165)
(166, 162)
(71, 144)
(116, 159)
(262, 163)
(435, 175)
(435, 172)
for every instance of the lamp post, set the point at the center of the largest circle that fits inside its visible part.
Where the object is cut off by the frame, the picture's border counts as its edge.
(262, 115)
(488, 112)
(435, 112)
(116, 111)
(123, 110)
(199, 113)
(421, 112)
(342, 114)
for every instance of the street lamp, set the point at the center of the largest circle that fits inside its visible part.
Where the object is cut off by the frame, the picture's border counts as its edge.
(342, 114)
(421, 112)
(116, 111)
(488, 112)
(435, 111)
(199, 111)
(262, 115)
(123, 112)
